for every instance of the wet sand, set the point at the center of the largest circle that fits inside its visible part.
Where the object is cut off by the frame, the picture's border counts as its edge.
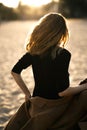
(12, 38)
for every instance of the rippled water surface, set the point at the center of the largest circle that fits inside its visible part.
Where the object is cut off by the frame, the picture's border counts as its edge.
(12, 38)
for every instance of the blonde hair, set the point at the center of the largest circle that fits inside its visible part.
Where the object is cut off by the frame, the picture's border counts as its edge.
(51, 31)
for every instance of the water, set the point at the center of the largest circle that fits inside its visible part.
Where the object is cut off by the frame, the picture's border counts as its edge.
(12, 38)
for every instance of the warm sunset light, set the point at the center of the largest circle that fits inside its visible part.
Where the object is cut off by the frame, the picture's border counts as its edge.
(33, 3)
(10, 3)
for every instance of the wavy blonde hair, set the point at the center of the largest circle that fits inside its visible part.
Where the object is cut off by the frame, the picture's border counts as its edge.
(50, 31)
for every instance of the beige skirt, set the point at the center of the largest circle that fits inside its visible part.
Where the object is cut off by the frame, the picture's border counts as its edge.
(43, 114)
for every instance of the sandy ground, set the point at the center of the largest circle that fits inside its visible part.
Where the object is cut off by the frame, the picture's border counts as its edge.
(12, 38)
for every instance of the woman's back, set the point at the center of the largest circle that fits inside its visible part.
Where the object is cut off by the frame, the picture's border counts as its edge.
(51, 75)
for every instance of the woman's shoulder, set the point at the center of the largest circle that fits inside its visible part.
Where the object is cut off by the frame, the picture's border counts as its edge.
(26, 56)
(63, 55)
(67, 51)
(61, 51)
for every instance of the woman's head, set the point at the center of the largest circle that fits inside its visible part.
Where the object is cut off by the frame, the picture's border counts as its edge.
(50, 31)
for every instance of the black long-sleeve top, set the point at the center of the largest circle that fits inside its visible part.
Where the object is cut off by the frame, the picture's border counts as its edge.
(51, 75)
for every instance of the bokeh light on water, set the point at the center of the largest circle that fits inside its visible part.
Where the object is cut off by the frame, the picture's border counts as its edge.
(78, 47)
(12, 38)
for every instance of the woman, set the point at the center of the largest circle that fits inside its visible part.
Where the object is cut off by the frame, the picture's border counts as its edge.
(52, 94)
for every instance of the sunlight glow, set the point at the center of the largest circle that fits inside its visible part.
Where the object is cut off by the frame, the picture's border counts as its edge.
(35, 3)
(10, 3)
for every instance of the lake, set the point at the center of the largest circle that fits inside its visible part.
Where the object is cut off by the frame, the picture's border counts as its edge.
(12, 39)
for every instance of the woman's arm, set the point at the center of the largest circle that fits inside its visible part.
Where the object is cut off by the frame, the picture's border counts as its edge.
(21, 84)
(73, 90)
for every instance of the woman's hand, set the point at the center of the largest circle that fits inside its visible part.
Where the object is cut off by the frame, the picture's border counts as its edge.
(73, 90)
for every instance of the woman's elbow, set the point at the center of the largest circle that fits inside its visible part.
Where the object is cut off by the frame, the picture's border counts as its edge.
(65, 93)
(61, 94)
(13, 73)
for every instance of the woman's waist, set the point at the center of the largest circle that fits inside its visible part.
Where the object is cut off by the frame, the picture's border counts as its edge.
(50, 102)
(50, 95)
